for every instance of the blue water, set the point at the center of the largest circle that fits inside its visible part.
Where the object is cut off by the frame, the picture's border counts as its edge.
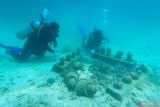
(131, 25)
(136, 21)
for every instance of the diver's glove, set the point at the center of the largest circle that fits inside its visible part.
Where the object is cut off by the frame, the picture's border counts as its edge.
(53, 43)
(55, 53)
(105, 40)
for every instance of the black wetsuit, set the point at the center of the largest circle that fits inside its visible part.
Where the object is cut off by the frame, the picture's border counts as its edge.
(36, 44)
(95, 40)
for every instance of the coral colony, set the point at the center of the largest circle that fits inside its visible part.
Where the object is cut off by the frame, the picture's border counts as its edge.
(116, 73)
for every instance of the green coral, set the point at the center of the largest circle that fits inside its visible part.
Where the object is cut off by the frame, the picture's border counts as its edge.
(129, 57)
(143, 68)
(119, 54)
(102, 51)
(108, 51)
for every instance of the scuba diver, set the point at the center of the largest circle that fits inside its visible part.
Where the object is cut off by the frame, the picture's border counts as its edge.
(38, 41)
(95, 39)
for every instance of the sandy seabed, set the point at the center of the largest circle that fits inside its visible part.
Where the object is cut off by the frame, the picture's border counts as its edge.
(33, 84)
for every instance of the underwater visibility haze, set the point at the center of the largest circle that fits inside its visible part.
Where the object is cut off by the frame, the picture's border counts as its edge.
(71, 53)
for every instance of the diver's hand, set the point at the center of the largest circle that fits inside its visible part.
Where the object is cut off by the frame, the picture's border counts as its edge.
(55, 54)
(44, 14)
(56, 51)
(53, 44)
(106, 40)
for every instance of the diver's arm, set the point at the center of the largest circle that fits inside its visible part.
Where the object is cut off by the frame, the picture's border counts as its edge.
(50, 49)
(55, 42)
(105, 39)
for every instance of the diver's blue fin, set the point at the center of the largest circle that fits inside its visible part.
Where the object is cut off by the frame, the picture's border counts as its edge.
(16, 49)
(11, 48)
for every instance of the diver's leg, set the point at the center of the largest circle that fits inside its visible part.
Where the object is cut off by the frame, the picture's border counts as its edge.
(26, 51)
(13, 51)
(15, 55)
(21, 55)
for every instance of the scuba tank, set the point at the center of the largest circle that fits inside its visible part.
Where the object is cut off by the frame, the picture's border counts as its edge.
(35, 25)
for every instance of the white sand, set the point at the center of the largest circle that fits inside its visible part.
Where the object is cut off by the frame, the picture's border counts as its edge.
(20, 81)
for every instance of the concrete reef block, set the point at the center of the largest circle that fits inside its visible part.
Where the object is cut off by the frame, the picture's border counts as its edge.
(72, 54)
(108, 51)
(143, 68)
(134, 75)
(66, 62)
(102, 51)
(61, 61)
(85, 88)
(57, 68)
(78, 52)
(71, 79)
(97, 50)
(119, 54)
(139, 72)
(117, 85)
(120, 94)
(114, 94)
(127, 79)
(113, 61)
(68, 57)
(129, 57)
(78, 66)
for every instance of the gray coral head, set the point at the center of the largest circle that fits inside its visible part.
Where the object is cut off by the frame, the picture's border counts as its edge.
(119, 54)
(78, 51)
(68, 57)
(61, 61)
(73, 54)
(72, 82)
(129, 57)
(108, 51)
(91, 89)
(102, 50)
(117, 85)
(77, 65)
(143, 68)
